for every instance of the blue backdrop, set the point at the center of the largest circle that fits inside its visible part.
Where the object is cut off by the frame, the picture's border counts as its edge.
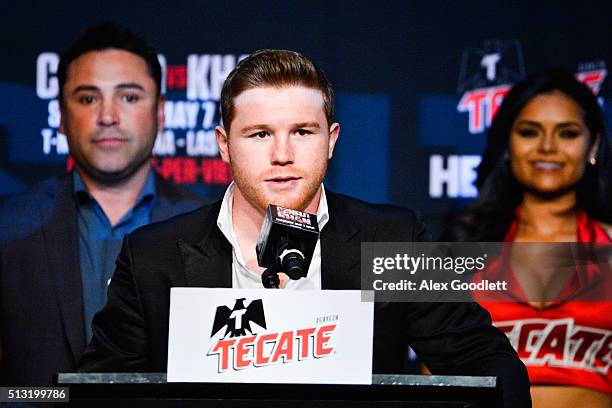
(416, 82)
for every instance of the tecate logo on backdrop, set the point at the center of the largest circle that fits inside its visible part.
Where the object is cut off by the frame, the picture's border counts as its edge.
(242, 345)
(486, 76)
(186, 149)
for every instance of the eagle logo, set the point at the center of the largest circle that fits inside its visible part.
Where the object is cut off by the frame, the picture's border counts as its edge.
(497, 62)
(238, 320)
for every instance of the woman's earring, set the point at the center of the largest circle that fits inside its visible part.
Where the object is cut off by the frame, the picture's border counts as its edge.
(593, 161)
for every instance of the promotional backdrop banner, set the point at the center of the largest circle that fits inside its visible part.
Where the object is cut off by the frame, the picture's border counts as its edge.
(417, 83)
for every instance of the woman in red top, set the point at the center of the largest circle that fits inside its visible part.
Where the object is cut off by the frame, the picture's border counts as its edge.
(545, 177)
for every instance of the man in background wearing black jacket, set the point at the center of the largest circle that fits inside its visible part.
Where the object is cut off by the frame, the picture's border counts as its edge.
(59, 239)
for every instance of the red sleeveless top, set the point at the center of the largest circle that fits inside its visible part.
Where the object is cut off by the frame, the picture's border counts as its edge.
(568, 342)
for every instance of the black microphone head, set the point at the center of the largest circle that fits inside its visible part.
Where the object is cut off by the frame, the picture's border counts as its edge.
(293, 263)
(287, 238)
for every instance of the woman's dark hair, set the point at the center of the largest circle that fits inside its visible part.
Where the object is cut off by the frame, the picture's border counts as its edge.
(490, 216)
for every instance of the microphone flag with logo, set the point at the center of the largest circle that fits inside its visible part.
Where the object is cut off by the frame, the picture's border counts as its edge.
(287, 241)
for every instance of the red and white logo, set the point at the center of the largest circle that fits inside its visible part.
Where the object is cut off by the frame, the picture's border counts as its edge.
(560, 343)
(593, 78)
(486, 76)
(482, 105)
(241, 347)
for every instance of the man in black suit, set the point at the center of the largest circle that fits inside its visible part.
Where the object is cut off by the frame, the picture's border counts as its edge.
(278, 136)
(59, 240)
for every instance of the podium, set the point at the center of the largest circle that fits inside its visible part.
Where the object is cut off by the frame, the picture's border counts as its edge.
(152, 390)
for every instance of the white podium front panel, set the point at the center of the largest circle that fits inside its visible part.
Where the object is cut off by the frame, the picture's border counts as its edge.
(270, 336)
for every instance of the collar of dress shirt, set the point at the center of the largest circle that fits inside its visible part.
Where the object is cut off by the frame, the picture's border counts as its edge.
(224, 220)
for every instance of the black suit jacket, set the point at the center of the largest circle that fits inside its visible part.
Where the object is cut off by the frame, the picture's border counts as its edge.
(41, 300)
(131, 331)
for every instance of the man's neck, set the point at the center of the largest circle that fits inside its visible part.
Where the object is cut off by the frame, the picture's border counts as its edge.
(117, 198)
(247, 219)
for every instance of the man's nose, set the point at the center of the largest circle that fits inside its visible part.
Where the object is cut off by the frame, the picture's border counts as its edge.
(282, 150)
(108, 114)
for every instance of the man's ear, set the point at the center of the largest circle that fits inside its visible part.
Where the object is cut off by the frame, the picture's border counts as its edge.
(222, 141)
(334, 133)
(161, 117)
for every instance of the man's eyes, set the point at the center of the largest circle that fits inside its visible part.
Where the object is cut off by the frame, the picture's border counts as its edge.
(87, 99)
(264, 133)
(130, 98)
(90, 99)
(261, 134)
(303, 132)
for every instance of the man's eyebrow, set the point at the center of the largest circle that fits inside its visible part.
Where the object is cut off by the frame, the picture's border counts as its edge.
(130, 85)
(93, 88)
(250, 128)
(85, 88)
(314, 125)
(263, 126)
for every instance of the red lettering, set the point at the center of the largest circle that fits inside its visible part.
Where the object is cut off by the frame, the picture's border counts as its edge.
(284, 348)
(170, 169)
(222, 349)
(496, 96)
(215, 171)
(585, 341)
(190, 172)
(176, 76)
(482, 105)
(526, 335)
(251, 350)
(322, 338)
(603, 358)
(593, 79)
(185, 170)
(241, 352)
(552, 347)
(304, 336)
(473, 103)
(559, 341)
(260, 359)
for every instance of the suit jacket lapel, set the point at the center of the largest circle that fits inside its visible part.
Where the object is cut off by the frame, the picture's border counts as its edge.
(340, 248)
(208, 262)
(60, 231)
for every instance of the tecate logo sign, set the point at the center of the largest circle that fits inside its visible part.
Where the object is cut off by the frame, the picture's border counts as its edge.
(240, 347)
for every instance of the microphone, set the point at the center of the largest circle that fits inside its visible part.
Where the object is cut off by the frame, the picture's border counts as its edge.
(286, 243)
